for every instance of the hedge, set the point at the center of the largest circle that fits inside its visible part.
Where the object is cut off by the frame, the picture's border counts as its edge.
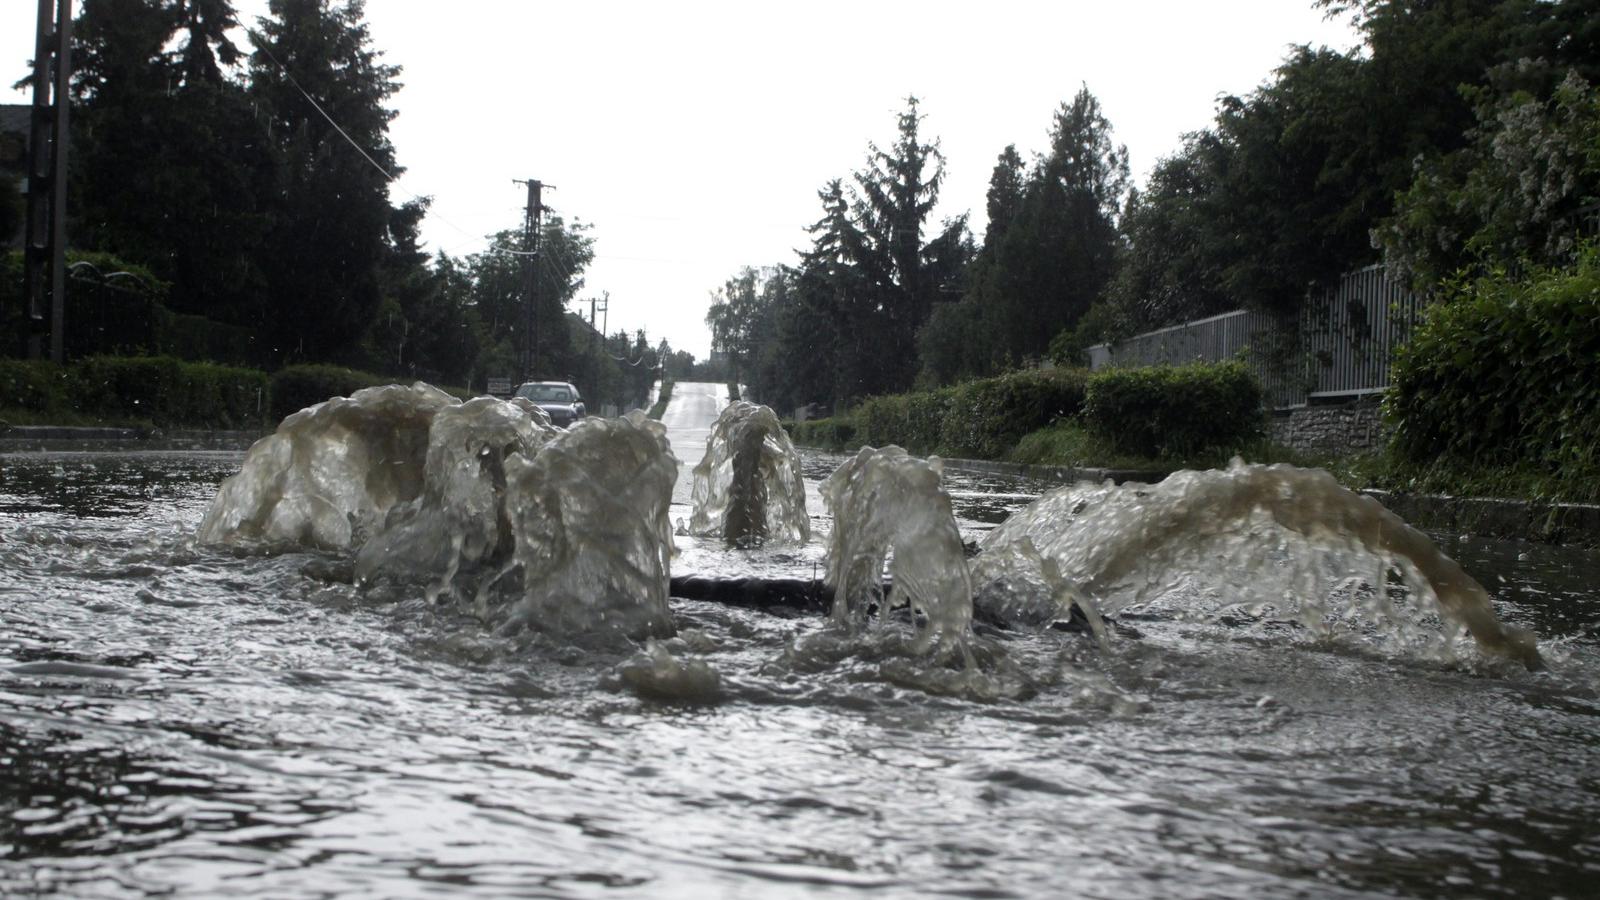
(1175, 410)
(1505, 370)
(828, 434)
(40, 386)
(296, 387)
(981, 419)
(159, 389)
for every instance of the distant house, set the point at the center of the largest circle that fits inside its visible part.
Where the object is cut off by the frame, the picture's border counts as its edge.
(14, 118)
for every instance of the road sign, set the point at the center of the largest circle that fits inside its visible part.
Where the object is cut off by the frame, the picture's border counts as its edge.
(499, 387)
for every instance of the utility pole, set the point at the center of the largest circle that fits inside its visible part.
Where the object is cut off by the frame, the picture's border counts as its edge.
(45, 243)
(604, 305)
(530, 279)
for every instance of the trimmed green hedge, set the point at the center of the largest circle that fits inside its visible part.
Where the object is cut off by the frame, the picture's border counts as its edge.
(828, 434)
(40, 386)
(1175, 410)
(981, 419)
(296, 387)
(158, 389)
(1505, 370)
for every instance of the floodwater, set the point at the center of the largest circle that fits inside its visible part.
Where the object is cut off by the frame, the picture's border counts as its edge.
(188, 720)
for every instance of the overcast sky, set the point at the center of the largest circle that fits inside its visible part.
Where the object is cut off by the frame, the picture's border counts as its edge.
(694, 136)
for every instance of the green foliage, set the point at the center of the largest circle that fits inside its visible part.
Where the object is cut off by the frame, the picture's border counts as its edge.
(168, 391)
(159, 390)
(1175, 410)
(1286, 186)
(844, 323)
(1101, 323)
(665, 397)
(1502, 371)
(836, 433)
(980, 419)
(327, 299)
(1522, 191)
(1056, 255)
(297, 387)
(36, 385)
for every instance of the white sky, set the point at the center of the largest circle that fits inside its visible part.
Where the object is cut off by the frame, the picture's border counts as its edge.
(695, 135)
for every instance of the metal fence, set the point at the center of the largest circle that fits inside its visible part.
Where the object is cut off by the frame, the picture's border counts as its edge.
(1340, 345)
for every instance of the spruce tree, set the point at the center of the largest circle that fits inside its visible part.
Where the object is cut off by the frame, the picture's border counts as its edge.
(315, 75)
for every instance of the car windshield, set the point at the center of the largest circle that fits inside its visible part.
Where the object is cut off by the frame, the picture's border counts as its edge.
(558, 393)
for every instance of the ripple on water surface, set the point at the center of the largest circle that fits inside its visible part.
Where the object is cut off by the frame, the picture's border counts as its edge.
(197, 721)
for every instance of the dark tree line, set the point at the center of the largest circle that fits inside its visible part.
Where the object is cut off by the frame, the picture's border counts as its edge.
(1462, 135)
(207, 154)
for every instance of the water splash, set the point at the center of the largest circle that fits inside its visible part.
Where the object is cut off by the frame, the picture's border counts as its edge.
(460, 518)
(331, 472)
(593, 542)
(1275, 542)
(564, 531)
(748, 488)
(883, 500)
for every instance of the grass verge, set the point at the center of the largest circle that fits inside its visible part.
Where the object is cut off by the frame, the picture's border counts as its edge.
(660, 406)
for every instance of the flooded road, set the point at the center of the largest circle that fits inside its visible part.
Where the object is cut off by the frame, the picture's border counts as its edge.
(186, 720)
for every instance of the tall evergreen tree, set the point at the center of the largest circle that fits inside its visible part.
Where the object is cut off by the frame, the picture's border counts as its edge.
(169, 160)
(314, 67)
(1057, 255)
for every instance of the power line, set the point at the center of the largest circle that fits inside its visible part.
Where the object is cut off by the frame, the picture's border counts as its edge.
(390, 177)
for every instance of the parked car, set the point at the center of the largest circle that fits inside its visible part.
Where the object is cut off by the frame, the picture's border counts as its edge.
(558, 398)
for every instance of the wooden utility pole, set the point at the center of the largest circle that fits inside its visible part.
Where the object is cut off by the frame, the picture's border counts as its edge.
(45, 243)
(530, 278)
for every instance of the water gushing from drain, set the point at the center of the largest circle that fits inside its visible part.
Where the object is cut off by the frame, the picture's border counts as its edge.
(885, 500)
(563, 530)
(748, 489)
(1275, 542)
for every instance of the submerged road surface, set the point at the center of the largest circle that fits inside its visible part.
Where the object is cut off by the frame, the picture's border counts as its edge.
(690, 413)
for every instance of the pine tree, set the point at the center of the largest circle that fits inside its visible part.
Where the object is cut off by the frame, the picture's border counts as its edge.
(1058, 254)
(169, 161)
(314, 63)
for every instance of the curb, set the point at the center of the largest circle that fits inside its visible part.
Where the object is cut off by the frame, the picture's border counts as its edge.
(32, 438)
(1536, 521)
(1539, 521)
(1065, 474)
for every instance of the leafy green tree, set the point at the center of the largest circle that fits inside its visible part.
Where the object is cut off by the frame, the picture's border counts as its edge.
(962, 337)
(1525, 190)
(499, 294)
(844, 323)
(1283, 191)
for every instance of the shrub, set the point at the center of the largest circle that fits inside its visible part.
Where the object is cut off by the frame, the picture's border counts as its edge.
(144, 387)
(169, 392)
(37, 385)
(1175, 410)
(222, 396)
(296, 387)
(988, 417)
(883, 420)
(1505, 370)
(837, 433)
(982, 419)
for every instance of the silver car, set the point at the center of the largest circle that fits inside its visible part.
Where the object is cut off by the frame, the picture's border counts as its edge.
(558, 398)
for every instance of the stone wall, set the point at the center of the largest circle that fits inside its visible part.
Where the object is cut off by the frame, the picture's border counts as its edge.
(1336, 429)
